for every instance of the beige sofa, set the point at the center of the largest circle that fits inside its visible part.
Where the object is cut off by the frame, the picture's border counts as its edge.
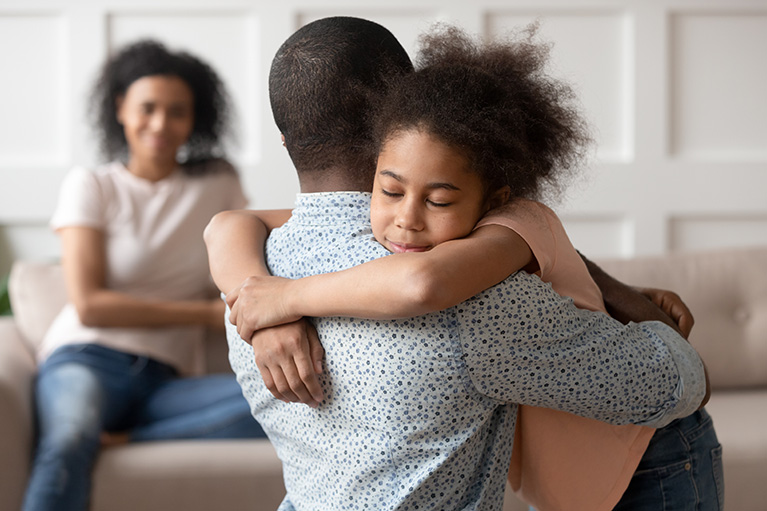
(726, 290)
(222, 475)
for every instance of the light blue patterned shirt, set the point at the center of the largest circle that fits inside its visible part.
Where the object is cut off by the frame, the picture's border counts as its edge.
(420, 413)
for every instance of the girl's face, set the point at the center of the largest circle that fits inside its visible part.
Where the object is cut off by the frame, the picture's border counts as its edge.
(157, 114)
(424, 194)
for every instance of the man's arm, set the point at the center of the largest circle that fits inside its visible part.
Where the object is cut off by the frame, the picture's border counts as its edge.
(543, 351)
(626, 303)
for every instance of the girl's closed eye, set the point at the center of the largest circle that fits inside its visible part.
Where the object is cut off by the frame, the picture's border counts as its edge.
(390, 193)
(439, 203)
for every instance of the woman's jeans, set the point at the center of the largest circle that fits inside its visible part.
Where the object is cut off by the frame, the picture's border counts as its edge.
(85, 389)
(680, 471)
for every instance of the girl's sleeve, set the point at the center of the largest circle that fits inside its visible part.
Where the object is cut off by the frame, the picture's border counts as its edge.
(80, 202)
(531, 220)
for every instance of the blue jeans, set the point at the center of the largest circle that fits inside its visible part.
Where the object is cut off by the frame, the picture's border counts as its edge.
(84, 389)
(681, 469)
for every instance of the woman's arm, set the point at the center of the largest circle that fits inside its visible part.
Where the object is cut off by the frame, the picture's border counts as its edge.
(396, 286)
(84, 264)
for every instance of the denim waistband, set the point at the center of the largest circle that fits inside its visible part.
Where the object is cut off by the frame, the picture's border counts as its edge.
(96, 355)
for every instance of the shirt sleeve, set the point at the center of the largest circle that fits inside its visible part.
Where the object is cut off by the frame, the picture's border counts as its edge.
(80, 201)
(525, 344)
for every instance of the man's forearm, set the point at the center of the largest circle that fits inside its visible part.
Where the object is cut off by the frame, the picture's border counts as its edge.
(623, 302)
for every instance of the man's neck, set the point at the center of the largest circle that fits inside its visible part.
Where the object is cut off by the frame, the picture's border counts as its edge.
(332, 181)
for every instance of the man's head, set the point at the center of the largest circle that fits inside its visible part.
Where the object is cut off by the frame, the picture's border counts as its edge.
(321, 84)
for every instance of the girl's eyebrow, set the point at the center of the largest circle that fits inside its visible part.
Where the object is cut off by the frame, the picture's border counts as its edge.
(435, 185)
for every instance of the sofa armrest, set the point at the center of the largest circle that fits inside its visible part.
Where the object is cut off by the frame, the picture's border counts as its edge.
(17, 372)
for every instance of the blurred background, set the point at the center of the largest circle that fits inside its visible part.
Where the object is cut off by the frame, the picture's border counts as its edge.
(674, 90)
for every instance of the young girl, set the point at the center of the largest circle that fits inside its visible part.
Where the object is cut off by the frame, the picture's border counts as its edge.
(475, 128)
(137, 279)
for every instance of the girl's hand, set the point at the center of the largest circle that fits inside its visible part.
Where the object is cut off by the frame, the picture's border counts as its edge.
(259, 303)
(670, 303)
(289, 358)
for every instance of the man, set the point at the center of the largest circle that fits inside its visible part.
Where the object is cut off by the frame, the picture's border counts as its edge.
(420, 413)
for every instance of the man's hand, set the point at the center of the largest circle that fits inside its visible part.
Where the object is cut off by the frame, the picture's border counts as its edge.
(258, 303)
(670, 303)
(290, 358)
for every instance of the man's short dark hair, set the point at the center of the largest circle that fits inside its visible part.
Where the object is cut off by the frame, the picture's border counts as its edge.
(321, 84)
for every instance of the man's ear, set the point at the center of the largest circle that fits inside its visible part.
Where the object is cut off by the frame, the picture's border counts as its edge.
(498, 198)
(282, 137)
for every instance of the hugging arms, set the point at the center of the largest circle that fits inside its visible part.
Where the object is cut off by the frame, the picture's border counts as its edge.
(268, 311)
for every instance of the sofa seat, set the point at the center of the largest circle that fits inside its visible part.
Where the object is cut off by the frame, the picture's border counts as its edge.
(188, 475)
(740, 419)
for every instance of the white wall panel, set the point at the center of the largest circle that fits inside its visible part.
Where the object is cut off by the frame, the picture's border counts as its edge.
(600, 236)
(718, 70)
(33, 102)
(405, 23)
(706, 232)
(593, 51)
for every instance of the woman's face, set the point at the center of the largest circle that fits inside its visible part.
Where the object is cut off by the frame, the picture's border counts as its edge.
(157, 114)
(424, 194)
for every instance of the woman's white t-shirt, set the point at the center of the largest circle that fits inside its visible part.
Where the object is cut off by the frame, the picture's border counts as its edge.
(154, 249)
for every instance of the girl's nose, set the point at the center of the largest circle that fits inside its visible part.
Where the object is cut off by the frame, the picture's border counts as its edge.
(409, 215)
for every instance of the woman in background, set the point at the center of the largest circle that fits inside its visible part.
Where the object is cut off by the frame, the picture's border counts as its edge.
(123, 360)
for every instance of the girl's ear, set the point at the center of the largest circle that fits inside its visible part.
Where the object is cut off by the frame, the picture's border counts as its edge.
(498, 198)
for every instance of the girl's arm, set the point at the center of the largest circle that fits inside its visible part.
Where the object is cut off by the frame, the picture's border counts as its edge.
(235, 242)
(396, 286)
(289, 357)
(84, 265)
(400, 285)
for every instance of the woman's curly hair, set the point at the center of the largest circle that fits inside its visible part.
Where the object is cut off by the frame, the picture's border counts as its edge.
(212, 106)
(494, 103)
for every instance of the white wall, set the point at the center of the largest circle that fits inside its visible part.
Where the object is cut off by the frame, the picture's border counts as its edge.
(675, 90)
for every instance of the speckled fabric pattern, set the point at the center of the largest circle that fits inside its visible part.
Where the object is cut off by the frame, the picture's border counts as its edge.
(420, 413)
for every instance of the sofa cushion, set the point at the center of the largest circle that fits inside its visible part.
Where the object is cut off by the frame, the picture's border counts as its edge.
(727, 293)
(37, 295)
(211, 474)
(739, 420)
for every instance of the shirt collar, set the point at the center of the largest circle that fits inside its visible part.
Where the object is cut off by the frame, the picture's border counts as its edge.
(332, 208)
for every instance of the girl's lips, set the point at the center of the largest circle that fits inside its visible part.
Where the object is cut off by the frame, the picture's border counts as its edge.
(399, 248)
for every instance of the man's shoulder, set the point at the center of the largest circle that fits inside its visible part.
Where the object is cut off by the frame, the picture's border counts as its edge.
(300, 249)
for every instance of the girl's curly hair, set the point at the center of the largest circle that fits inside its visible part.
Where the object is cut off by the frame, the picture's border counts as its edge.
(494, 103)
(212, 106)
